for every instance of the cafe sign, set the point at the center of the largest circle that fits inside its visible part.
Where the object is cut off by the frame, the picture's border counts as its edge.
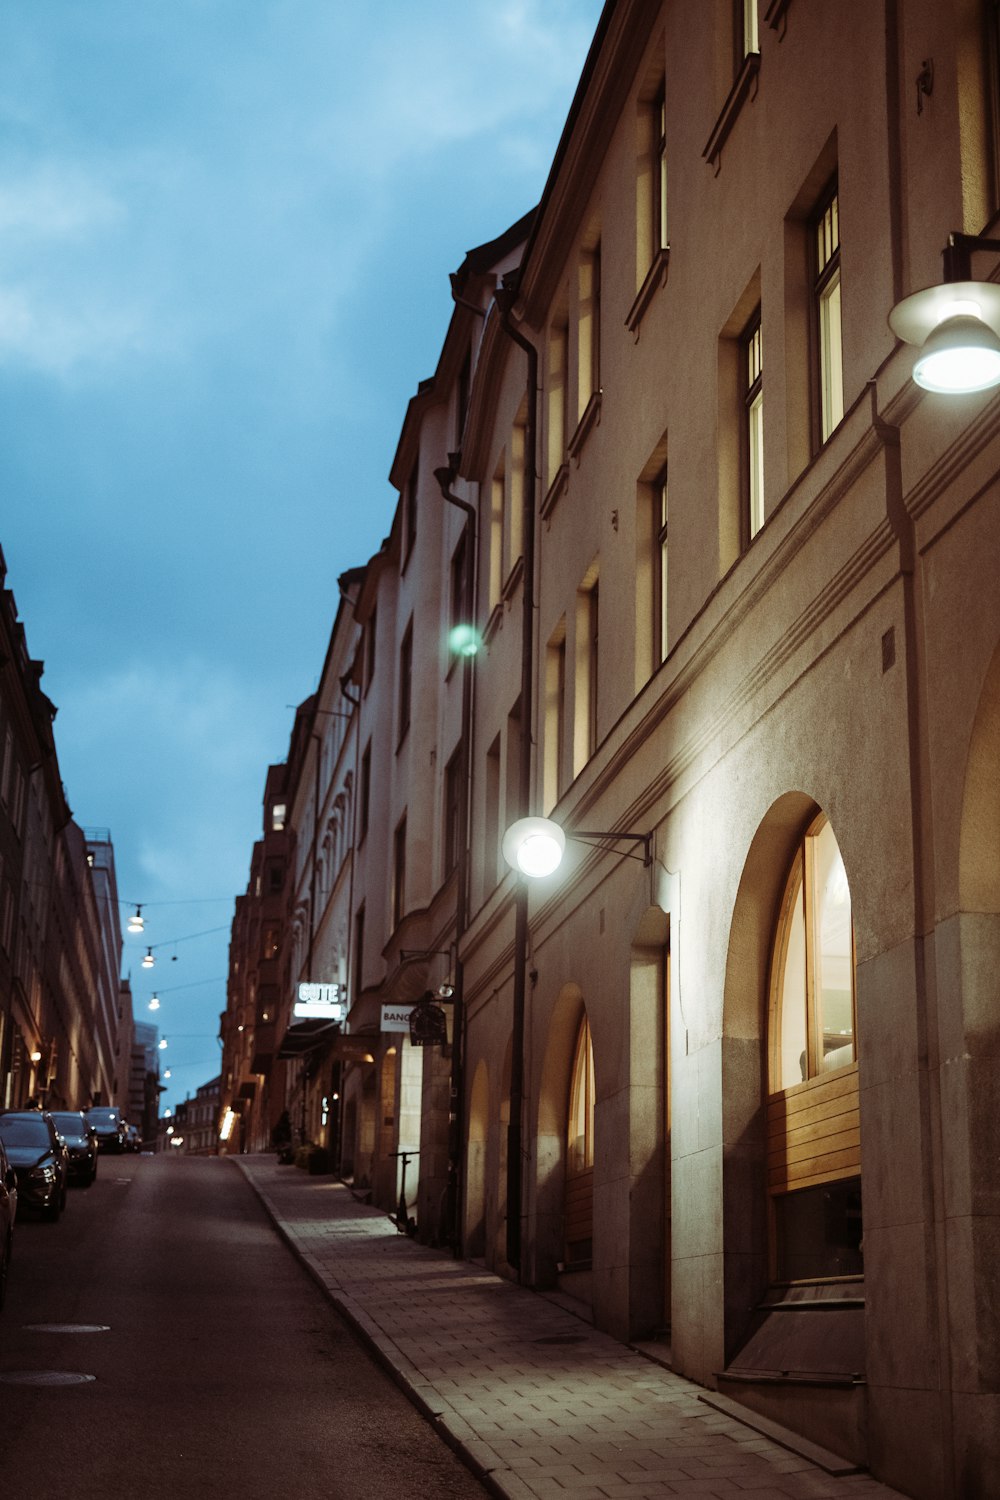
(319, 1002)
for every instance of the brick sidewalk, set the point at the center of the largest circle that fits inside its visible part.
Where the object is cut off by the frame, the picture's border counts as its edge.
(536, 1401)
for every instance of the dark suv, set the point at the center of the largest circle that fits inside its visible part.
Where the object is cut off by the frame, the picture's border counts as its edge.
(38, 1156)
(109, 1123)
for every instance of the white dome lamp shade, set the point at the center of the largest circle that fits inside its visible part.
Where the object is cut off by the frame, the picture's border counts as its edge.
(534, 846)
(957, 326)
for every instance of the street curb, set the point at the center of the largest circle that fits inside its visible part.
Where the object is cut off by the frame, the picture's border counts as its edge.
(446, 1423)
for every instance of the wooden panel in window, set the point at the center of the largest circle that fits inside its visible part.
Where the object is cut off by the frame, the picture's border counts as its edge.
(814, 1132)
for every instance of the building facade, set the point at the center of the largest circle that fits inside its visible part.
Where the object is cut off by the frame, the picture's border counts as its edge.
(728, 1076)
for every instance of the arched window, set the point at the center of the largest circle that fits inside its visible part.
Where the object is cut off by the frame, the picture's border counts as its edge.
(579, 1201)
(812, 992)
(813, 1116)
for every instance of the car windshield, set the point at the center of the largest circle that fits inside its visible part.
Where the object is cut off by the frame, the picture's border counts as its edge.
(21, 1130)
(69, 1124)
(102, 1116)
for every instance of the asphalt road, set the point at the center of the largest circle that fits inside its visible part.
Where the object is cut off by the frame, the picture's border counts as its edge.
(221, 1371)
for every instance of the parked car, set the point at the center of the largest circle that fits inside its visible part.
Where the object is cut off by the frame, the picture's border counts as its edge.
(81, 1144)
(109, 1123)
(8, 1213)
(38, 1157)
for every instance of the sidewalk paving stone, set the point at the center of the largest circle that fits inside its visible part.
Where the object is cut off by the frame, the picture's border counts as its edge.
(539, 1403)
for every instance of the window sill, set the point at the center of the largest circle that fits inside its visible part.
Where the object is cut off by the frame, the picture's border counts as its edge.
(656, 277)
(776, 16)
(591, 418)
(493, 623)
(555, 492)
(744, 88)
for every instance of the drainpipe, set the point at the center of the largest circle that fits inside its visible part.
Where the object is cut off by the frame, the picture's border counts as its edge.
(356, 704)
(445, 478)
(505, 298)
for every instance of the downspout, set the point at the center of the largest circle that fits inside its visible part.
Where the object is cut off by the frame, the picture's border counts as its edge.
(356, 703)
(456, 1122)
(505, 298)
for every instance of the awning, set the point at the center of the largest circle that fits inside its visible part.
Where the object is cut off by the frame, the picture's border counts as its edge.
(305, 1036)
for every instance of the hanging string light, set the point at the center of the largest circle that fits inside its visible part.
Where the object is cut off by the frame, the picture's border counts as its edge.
(136, 923)
(148, 959)
(154, 1002)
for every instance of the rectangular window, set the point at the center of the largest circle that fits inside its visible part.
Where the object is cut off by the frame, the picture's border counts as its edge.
(370, 650)
(271, 942)
(457, 600)
(7, 768)
(514, 801)
(753, 427)
(586, 647)
(497, 507)
(405, 682)
(399, 872)
(515, 507)
(589, 330)
(661, 632)
(658, 215)
(359, 953)
(452, 810)
(556, 401)
(826, 288)
(410, 511)
(278, 814)
(747, 32)
(491, 843)
(593, 646)
(365, 793)
(555, 717)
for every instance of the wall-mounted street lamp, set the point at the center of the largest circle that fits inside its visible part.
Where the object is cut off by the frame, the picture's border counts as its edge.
(957, 324)
(535, 846)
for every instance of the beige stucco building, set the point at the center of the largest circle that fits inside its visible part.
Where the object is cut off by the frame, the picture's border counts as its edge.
(729, 1076)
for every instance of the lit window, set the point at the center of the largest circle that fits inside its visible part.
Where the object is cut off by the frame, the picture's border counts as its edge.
(661, 575)
(753, 369)
(827, 292)
(813, 1111)
(278, 812)
(556, 401)
(746, 21)
(813, 995)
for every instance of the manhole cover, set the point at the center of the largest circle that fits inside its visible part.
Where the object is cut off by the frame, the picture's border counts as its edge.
(68, 1327)
(563, 1338)
(44, 1377)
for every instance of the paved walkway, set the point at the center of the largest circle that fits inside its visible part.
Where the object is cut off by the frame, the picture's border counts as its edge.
(537, 1402)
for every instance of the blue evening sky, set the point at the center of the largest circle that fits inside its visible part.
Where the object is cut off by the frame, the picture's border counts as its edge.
(226, 228)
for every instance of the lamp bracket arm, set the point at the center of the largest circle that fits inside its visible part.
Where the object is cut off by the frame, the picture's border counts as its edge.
(957, 254)
(645, 839)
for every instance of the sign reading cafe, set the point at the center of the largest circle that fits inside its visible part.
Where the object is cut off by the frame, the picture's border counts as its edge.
(319, 1002)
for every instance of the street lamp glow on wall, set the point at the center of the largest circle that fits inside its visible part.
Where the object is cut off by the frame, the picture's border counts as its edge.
(535, 846)
(956, 324)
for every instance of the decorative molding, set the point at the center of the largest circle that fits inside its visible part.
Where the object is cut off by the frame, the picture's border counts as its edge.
(743, 89)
